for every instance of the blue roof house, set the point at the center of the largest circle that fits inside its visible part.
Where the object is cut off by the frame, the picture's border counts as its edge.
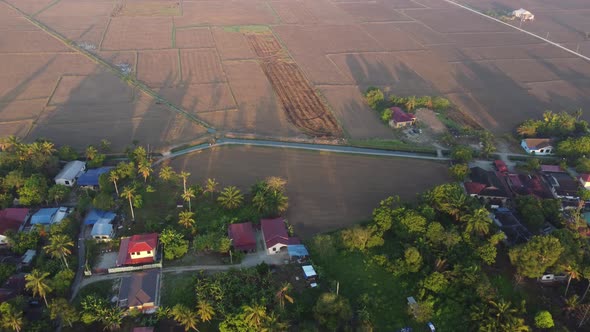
(43, 216)
(96, 216)
(90, 178)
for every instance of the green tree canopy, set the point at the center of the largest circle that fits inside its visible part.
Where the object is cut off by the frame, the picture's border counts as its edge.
(331, 310)
(533, 258)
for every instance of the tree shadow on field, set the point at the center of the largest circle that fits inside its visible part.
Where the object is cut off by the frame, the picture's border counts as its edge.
(501, 8)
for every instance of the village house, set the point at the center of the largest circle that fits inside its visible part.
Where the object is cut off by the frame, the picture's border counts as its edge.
(562, 185)
(140, 291)
(400, 119)
(90, 178)
(585, 180)
(488, 186)
(137, 249)
(275, 236)
(523, 15)
(11, 219)
(242, 237)
(102, 227)
(538, 146)
(50, 216)
(70, 173)
(524, 185)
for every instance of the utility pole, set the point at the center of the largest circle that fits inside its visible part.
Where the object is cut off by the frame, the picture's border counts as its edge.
(337, 287)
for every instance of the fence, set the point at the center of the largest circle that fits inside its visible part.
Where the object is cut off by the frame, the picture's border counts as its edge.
(134, 268)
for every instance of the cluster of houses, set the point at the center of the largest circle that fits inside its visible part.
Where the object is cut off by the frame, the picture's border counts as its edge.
(498, 187)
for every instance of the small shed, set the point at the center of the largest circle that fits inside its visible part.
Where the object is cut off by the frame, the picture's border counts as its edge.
(70, 173)
(91, 176)
(297, 251)
(102, 232)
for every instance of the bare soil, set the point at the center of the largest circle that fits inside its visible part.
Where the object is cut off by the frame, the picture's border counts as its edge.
(327, 191)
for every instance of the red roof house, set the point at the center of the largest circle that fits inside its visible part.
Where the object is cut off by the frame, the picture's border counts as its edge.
(11, 219)
(584, 180)
(242, 236)
(501, 166)
(274, 233)
(138, 249)
(400, 118)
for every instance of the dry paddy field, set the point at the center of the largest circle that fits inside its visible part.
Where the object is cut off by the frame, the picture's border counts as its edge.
(280, 68)
(327, 191)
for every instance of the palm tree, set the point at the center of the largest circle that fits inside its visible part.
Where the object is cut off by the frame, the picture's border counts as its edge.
(35, 282)
(60, 247)
(184, 176)
(47, 148)
(114, 177)
(571, 304)
(230, 198)
(9, 143)
(105, 145)
(185, 317)
(145, 169)
(572, 272)
(254, 315)
(12, 319)
(210, 186)
(586, 275)
(411, 103)
(166, 173)
(91, 152)
(188, 195)
(185, 218)
(282, 295)
(129, 193)
(205, 311)
(478, 222)
(272, 323)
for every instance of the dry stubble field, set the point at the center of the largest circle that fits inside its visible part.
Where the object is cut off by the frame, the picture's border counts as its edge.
(202, 57)
(326, 191)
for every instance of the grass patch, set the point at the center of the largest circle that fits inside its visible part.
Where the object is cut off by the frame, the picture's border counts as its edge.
(178, 288)
(247, 28)
(394, 145)
(357, 276)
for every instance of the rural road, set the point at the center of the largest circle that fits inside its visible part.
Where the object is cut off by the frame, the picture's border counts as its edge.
(520, 29)
(302, 146)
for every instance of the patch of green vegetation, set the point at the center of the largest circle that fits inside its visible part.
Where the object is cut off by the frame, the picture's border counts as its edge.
(102, 289)
(247, 28)
(178, 288)
(394, 145)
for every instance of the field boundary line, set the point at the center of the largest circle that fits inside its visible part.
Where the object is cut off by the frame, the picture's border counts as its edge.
(520, 29)
(53, 3)
(53, 91)
(228, 81)
(130, 80)
(104, 34)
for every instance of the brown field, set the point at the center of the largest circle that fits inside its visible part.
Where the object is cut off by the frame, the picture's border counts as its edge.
(196, 54)
(326, 191)
(90, 90)
(201, 66)
(158, 68)
(194, 38)
(304, 107)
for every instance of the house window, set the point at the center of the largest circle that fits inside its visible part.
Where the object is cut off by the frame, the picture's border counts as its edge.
(542, 150)
(149, 252)
(67, 182)
(274, 249)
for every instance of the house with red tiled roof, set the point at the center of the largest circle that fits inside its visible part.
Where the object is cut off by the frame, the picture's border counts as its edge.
(584, 180)
(400, 119)
(275, 236)
(11, 219)
(488, 186)
(242, 236)
(138, 249)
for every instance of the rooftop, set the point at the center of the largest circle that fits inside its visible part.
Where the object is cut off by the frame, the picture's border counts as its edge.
(90, 178)
(139, 289)
(242, 236)
(12, 219)
(274, 231)
(96, 216)
(71, 170)
(538, 143)
(136, 243)
(400, 116)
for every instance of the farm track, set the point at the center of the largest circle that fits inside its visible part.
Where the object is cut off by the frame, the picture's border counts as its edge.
(303, 106)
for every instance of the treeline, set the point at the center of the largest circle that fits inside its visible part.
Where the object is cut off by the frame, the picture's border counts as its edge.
(445, 252)
(378, 101)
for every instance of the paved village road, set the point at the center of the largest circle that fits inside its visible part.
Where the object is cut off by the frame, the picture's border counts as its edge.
(302, 146)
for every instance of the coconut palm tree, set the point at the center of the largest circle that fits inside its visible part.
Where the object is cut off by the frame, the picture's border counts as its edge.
(166, 173)
(184, 176)
(254, 315)
(47, 148)
(145, 169)
(91, 152)
(205, 311)
(478, 222)
(572, 272)
(210, 186)
(273, 323)
(185, 218)
(188, 195)
(35, 282)
(282, 295)
(586, 275)
(230, 198)
(12, 319)
(114, 177)
(9, 143)
(129, 193)
(59, 247)
(185, 317)
(411, 103)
